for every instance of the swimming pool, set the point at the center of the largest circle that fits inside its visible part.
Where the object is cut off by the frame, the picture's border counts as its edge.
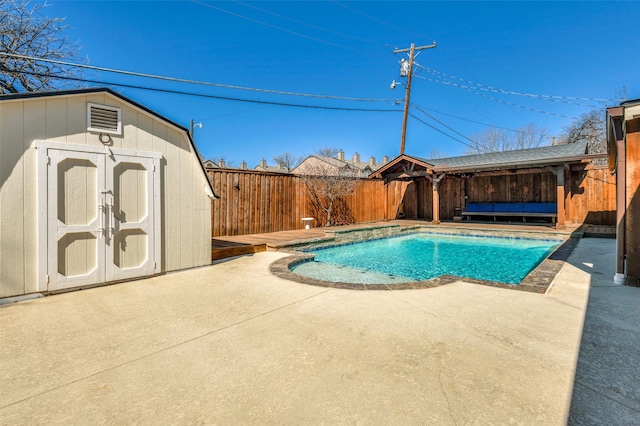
(419, 257)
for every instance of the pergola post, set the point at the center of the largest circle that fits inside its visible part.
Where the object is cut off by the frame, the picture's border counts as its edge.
(436, 201)
(435, 204)
(568, 184)
(559, 172)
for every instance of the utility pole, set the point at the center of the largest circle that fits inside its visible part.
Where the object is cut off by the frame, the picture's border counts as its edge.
(407, 95)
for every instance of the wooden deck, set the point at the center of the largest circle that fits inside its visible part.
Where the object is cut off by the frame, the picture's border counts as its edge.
(230, 246)
(223, 247)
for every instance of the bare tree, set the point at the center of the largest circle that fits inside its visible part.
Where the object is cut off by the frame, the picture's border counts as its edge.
(496, 140)
(437, 154)
(25, 31)
(328, 151)
(531, 136)
(287, 159)
(489, 140)
(589, 127)
(327, 187)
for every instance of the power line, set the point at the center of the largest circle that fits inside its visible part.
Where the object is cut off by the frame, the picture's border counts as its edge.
(470, 121)
(465, 98)
(443, 124)
(446, 134)
(265, 107)
(307, 24)
(196, 82)
(204, 95)
(471, 90)
(498, 118)
(266, 24)
(550, 98)
(380, 21)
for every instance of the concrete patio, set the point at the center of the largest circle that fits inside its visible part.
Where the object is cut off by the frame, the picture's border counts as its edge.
(232, 344)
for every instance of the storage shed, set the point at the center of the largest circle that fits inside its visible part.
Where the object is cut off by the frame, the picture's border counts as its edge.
(96, 188)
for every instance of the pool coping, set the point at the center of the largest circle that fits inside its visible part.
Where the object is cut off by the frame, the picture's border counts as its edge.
(539, 280)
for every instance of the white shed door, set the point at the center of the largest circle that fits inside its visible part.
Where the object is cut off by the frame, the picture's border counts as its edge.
(101, 214)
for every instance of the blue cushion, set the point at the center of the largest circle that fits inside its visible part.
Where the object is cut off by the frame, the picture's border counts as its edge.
(479, 207)
(540, 208)
(507, 207)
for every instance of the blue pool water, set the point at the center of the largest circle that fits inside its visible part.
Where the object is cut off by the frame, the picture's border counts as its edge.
(424, 256)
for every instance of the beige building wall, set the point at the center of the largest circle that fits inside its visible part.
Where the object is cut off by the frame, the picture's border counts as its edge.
(185, 201)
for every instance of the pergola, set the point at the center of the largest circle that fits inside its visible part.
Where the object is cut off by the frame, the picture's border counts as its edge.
(559, 160)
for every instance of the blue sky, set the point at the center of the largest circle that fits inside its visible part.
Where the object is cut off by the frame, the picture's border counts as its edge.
(344, 49)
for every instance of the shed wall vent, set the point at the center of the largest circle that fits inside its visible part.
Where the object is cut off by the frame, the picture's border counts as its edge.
(104, 119)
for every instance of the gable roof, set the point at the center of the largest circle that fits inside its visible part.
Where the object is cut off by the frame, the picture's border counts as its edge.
(272, 169)
(521, 158)
(35, 95)
(363, 167)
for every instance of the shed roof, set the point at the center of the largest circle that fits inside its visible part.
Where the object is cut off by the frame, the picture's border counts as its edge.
(35, 95)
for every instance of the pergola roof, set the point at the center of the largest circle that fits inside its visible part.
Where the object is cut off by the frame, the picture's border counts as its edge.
(545, 154)
(407, 166)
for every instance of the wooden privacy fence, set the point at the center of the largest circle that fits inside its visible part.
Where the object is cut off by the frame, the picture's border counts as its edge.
(592, 198)
(253, 202)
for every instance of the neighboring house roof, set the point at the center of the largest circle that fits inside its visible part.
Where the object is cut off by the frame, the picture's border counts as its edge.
(210, 165)
(521, 158)
(34, 95)
(272, 169)
(364, 168)
(631, 102)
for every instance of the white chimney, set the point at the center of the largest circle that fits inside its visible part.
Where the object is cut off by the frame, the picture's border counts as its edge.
(243, 165)
(341, 155)
(281, 165)
(356, 158)
(263, 163)
(372, 161)
(221, 163)
(385, 159)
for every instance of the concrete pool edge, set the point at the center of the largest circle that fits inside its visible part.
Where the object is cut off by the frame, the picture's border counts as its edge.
(539, 280)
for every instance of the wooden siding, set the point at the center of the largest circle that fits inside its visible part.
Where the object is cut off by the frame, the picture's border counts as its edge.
(632, 215)
(264, 202)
